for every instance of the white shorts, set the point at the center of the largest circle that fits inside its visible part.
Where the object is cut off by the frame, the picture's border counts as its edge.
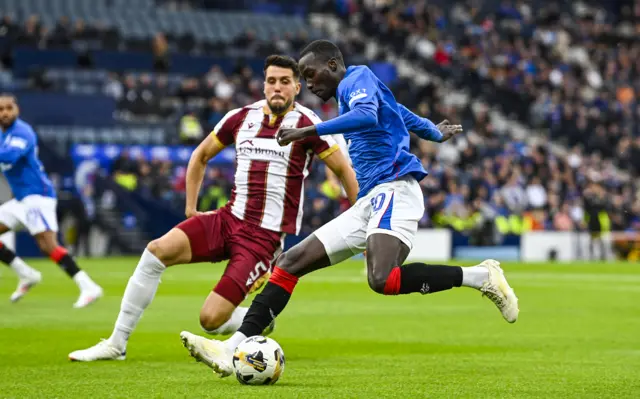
(35, 213)
(393, 208)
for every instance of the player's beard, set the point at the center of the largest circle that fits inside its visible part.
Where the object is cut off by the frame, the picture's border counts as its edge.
(6, 123)
(279, 109)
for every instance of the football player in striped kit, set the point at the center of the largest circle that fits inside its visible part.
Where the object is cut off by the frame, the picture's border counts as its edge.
(266, 203)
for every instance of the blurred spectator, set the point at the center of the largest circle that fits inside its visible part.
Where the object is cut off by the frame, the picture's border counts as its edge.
(160, 50)
(567, 69)
(190, 129)
(536, 194)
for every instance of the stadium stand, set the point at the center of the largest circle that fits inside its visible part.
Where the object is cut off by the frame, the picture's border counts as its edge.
(551, 115)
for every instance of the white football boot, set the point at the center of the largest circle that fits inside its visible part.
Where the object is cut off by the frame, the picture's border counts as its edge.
(25, 284)
(103, 350)
(211, 352)
(88, 296)
(497, 289)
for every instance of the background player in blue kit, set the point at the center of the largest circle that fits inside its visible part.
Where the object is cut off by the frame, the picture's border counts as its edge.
(33, 206)
(383, 221)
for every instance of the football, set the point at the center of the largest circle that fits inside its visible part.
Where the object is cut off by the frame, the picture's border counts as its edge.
(258, 361)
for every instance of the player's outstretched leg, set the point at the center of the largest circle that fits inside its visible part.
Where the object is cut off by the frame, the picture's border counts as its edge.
(27, 276)
(171, 249)
(302, 259)
(385, 253)
(89, 290)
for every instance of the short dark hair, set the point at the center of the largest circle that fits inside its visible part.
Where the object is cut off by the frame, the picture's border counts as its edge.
(282, 61)
(324, 49)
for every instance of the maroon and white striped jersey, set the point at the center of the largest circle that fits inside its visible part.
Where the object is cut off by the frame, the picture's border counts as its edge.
(269, 179)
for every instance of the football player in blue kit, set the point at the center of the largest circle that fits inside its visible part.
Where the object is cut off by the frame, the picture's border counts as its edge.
(33, 207)
(384, 220)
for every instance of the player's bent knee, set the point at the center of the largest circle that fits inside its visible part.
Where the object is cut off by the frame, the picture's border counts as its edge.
(377, 282)
(155, 248)
(378, 275)
(211, 320)
(217, 310)
(172, 248)
(161, 251)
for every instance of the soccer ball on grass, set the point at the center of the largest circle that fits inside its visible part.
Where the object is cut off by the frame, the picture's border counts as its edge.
(258, 361)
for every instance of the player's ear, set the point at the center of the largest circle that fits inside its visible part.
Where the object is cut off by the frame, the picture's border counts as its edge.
(333, 65)
(298, 86)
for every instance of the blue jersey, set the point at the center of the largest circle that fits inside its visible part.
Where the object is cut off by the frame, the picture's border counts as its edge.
(20, 164)
(375, 126)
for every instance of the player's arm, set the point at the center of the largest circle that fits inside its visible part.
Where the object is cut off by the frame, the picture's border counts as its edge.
(361, 95)
(221, 136)
(209, 148)
(16, 147)
(339, 165)
(427, 130)
(361, 117)
(422, 127)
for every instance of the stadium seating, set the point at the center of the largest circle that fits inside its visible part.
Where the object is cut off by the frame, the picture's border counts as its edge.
(445, 60)
(141, 19)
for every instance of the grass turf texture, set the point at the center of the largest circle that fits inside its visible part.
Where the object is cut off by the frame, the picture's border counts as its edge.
(578, 336)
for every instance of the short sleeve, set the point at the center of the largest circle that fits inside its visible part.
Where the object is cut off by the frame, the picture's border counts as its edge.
(360, 88)
(322, 146)
(227, 129)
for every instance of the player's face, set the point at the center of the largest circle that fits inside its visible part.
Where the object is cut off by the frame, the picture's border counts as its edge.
(8, 111)
(320, 76)
(280, 88)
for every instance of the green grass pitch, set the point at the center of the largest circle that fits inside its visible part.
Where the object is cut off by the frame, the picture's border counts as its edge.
(578, 336)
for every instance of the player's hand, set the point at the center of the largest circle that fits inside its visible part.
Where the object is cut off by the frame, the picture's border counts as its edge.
(448, 130)
(190, 213)
(193, 212)
(286, 135)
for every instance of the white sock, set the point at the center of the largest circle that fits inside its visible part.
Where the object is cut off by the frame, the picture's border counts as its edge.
(234, 322)
(137, 296)
(233, 342)
(83, 281)
(21, 268)
(474, 276)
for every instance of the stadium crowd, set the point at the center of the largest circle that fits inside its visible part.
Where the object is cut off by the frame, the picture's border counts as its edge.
(550, 71)
(556, 69)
